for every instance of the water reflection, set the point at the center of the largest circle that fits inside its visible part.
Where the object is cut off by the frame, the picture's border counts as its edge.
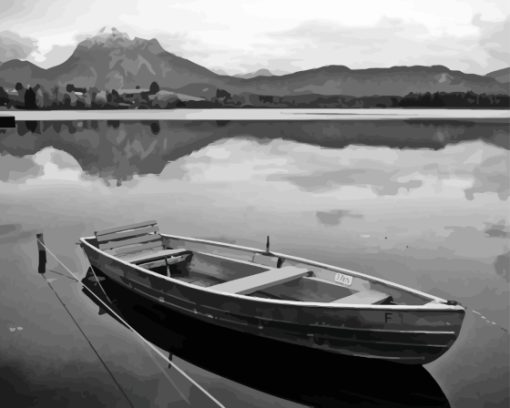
(304, 376)
(10, 233)
(491, 175)
(382, 181)
(424, 204)
(497, 230)
(409, 201)
(502, 266)
(116, 150)
(334, 217)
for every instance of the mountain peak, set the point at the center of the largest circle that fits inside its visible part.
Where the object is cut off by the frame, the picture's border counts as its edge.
(111, 38)
(105, 34)
(108, 38)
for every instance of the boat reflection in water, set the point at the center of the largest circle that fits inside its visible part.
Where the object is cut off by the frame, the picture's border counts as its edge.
(299, 374)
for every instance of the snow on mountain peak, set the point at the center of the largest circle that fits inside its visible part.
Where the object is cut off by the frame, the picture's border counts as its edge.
(108, 37)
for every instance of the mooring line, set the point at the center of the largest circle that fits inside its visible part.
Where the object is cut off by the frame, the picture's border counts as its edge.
(61, 274)
(90, 344)
(100, 286)
(123, 321)
(487, 320)
(163, 371)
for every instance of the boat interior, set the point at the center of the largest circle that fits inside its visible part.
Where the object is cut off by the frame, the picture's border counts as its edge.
(231, 269)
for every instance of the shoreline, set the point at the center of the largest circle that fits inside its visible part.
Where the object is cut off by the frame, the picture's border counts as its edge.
(257, 114)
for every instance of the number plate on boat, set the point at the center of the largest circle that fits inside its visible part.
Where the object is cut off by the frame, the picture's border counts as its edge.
(342, 279)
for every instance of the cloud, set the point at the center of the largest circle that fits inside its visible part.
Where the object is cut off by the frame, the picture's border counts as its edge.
(392, 41)
(240, 36)
(327, 42)
(495, 38)
(183, 44)
(14, 46)
(332, 32)
(55, 56)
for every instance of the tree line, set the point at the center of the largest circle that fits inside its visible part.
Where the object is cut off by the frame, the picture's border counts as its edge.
(72, 97)
(418, 100)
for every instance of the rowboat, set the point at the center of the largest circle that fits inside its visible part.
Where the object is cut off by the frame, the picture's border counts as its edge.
(277, 296)
(224, 354)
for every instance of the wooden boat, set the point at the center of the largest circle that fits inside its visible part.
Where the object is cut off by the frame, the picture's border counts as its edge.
(222, 356)
(277, 296)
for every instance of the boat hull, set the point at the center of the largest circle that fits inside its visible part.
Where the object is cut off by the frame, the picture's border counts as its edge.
(409, 336)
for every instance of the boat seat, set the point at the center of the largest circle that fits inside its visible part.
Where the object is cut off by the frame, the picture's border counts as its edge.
(126, 239)
(261, 280)
(364, 297)
(136, 243)
(143, 257)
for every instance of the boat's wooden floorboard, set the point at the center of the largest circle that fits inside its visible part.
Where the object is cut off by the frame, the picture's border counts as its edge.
(204, 280)
(197, 278)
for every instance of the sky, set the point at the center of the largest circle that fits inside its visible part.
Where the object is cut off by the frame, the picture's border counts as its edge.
(238, 36)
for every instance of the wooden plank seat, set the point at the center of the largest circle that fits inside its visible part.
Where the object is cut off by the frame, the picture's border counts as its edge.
(261, 280)
(143, 257)
(364, 297)
(136, 243)
(130, 238)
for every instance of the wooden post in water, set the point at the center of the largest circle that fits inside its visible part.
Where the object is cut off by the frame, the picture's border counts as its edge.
(7, 122)
(170, 358)
(42, 253)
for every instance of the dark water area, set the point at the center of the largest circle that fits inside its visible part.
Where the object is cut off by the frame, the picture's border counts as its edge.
(423, 203)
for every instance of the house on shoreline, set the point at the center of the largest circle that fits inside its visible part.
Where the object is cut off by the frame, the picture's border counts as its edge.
(134, 96)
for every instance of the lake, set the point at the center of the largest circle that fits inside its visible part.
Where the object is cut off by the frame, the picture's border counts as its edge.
(419, 201)
(258, 114)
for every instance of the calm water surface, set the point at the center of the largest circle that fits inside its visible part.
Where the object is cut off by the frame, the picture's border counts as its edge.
(420, 202)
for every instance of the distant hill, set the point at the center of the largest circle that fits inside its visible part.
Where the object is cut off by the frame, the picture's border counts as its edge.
(20, 71)
(501, 75)
(341, 80)
(112, 60)
(260, 72)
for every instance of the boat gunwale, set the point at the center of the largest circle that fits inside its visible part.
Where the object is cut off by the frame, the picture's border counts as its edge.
(437, 307)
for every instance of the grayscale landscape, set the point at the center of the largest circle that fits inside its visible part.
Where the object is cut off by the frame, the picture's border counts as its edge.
(254, 204)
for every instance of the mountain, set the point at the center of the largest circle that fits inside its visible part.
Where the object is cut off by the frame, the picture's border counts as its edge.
(341, 80)
(113, 60)
(501, 75)
(260, 72)
(20, 71)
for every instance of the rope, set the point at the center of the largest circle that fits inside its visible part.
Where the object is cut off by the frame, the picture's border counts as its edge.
(61, 274)
(138, 335)
(163, 371)
(90, 343)
(487, 320)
